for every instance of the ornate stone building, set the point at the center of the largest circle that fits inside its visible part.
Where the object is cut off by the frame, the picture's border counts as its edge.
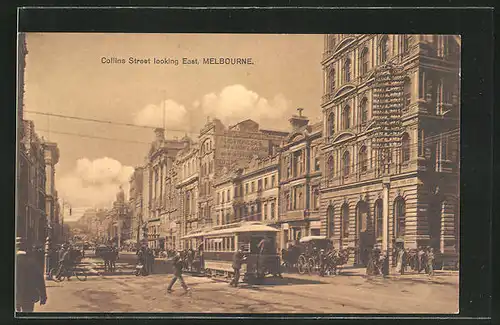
(391, 121)
(300, 180)
(157, 170)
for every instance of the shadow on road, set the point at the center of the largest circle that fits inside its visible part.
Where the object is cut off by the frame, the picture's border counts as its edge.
(270, 282)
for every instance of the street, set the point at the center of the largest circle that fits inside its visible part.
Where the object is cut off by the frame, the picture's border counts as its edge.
(351, 292)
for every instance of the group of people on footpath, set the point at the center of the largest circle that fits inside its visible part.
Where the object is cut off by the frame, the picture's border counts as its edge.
(418, 260)
(67, 258)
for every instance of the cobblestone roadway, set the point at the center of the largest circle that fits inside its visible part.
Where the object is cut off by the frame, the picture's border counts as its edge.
(351, 293)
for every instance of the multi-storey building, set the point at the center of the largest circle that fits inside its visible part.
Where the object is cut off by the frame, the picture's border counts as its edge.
(391, 108)
(300, 179)
(221, 147)
(31, 211)
(159, 161)
(187, 168)
(51, 159)
(135, 203)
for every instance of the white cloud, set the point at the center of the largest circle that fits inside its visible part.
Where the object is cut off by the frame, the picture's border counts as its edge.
(152, 115)
(94, 183)
(236, 103)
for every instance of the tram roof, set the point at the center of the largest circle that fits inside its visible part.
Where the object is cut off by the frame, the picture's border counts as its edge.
(244, 227)
(310, 238)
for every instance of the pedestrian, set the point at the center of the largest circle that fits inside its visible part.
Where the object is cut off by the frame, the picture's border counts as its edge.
(151, 260)
(421, 259)
(64, 263)
(430, 261)
(238, 259)
(30, 284)
(178, 265)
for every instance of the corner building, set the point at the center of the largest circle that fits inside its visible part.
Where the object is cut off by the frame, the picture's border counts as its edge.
(391, 143)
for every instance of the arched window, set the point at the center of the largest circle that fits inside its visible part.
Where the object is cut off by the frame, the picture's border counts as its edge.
(406, 93)
(363, 108)
(330, 222)
(399, 217)
(384, 49)
(346, 117)
(379, 219)
(345, 163)
(345, 221)
(347, 70)
(331, 124)
(363, 159)
(405, 148)
(331, 80)
(363, 61)
(330, 167)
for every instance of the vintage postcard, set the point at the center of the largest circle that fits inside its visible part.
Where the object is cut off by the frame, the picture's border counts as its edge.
(238, 173)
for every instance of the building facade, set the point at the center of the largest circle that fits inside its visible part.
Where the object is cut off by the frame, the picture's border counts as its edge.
(31, 187)
(300, 180)
(391, 119)
(158, 167)
(51, 210)
(230, 147)
(187, 171)
(135, 203)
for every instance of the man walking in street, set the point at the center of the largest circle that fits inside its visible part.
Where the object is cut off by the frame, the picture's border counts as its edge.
(238, 259)
(178, 264)
(30, 284)
(430, 261)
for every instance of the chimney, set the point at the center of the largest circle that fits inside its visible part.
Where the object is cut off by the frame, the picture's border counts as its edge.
(298, 121)
(160, 134)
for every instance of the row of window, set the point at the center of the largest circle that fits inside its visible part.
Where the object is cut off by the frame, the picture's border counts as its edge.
(363, 160)
(225, 195)
(224, 244)
(364, 60)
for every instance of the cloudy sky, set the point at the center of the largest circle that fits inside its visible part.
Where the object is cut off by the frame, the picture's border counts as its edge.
(65, 76)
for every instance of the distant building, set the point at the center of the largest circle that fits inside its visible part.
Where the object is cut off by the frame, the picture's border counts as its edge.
(136, 202)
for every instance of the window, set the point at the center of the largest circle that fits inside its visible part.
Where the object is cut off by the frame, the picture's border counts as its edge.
(345, 221)
(364, 110)
(330, 167)
(252, 213)
(331, 124)
(246, 188)
(346, 117)
(253, 187)
(405, 148)
(407, 93)
(363, 159)
(218, 198)
(265, 182)
(445, 155)
(265, 211)
(273, 181)
(259, 185)
(330, 222)
(223, 196)
(228, 195)
(399, 217)
(364, 61)
(331, 80)
(346, 161)
(421, 144)
(384, 49)
(273, 208)
(406, 43)
(347, 70)
(315, 193)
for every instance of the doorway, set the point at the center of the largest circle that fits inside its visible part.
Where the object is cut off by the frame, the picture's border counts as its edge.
(366, 235)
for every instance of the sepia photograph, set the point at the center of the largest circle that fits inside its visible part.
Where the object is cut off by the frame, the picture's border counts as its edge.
(238, 173)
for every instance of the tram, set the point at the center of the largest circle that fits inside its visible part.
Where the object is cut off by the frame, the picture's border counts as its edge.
(220, 243)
